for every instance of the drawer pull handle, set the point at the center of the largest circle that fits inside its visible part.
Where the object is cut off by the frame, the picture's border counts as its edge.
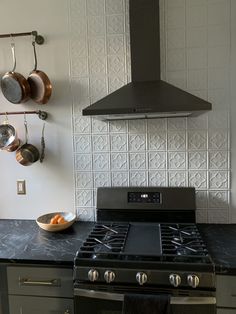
(49, 283)
(233, 295)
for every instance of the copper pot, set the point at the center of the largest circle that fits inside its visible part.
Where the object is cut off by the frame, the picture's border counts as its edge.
(27, 154)
(15, 87)
(40, 85)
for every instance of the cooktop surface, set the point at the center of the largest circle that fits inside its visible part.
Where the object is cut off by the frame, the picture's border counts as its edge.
(144, 242)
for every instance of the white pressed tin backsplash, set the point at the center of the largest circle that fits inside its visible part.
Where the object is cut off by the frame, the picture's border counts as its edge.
(195, 41)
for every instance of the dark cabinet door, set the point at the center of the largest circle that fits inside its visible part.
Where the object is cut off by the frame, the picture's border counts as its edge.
(40, 305)
(3, 291)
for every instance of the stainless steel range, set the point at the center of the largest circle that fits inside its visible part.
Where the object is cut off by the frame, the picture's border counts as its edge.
(145, 241)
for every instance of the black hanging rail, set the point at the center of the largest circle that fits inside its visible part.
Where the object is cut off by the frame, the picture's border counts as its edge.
(41, 114)
(38, 38)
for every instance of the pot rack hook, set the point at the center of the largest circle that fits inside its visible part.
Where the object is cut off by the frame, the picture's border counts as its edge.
(12, 39)
(25, 121)
(42, 115)
(6, 118)
(38, 38)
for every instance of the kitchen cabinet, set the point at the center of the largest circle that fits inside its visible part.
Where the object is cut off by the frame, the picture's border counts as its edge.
(3, 290)
(226, 294)
(34, 289)
(39, 305)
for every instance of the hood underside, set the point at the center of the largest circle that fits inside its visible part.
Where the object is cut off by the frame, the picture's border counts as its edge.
(147, 96)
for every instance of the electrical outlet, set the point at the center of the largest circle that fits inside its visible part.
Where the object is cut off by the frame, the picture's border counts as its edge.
(21, 187)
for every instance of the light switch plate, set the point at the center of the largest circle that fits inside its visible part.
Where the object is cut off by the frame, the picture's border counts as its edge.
(21, 190)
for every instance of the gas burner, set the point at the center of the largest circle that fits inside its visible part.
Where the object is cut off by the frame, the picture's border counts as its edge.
(105, 239)
(180, 239)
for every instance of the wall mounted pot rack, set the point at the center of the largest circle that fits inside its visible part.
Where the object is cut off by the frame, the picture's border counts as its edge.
(38, 38)
(41, 114)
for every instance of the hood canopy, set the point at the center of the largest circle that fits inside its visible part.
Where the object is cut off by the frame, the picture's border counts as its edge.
(147, 96)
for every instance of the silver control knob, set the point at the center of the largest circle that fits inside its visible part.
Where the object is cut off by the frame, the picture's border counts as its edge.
(193, 280)
(175, 280)
(141, 278)
(93, 275)
(109, 276)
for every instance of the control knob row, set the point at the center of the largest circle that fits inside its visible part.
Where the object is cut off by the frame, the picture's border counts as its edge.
(193, 280)
(109, 276)
(93, 275)
(141, 277)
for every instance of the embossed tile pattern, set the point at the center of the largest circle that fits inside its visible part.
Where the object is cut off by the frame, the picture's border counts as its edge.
(195, 55)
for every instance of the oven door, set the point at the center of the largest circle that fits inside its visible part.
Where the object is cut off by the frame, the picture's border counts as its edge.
(100, 302)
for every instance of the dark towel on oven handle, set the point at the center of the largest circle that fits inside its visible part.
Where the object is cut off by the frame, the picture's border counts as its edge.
(146, 304)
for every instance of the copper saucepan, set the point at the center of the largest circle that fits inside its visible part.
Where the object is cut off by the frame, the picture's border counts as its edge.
(15, 87)
(40, 85)
(27, 154)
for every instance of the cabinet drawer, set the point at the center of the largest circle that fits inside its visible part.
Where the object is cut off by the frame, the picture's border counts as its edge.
(39, 305)
(226, 311)
(226, 291)
(42, 281)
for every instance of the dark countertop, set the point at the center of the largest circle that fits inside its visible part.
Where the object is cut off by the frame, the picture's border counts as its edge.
(221, 243)
(22, 241)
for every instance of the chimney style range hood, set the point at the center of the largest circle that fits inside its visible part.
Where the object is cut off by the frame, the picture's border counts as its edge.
(147, 96)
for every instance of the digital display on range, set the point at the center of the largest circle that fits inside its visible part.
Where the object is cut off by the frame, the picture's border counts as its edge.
(140, 197)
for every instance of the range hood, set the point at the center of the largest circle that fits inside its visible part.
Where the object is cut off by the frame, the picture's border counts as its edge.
(147, 96)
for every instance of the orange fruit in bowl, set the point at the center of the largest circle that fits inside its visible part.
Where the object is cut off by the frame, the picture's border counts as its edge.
(57, 216)
(57, 219)
(53, 221)
(61, 220)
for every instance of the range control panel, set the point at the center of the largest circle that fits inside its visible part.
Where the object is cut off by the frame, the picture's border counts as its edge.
(144, 197)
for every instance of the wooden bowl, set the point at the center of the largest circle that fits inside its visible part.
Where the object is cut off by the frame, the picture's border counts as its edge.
(44, 221)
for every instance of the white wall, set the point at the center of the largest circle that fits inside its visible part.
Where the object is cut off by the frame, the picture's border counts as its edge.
(50, 184)
(87, 43)
(195, 152)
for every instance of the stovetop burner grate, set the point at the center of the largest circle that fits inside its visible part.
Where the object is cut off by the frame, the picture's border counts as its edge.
(179, 243)
(179, 239)
(108, 239)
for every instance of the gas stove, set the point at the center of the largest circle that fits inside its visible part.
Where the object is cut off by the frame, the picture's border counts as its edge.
(145, 237)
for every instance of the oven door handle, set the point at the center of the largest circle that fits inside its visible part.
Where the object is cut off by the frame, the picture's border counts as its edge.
(120, 297)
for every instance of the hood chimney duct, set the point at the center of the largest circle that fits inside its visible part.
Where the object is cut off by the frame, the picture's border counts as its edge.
(145, 53)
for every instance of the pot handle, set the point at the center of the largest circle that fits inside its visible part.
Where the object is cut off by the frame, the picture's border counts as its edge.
(42, 155)
(26, 130)
(13, 56)
(35, 56)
